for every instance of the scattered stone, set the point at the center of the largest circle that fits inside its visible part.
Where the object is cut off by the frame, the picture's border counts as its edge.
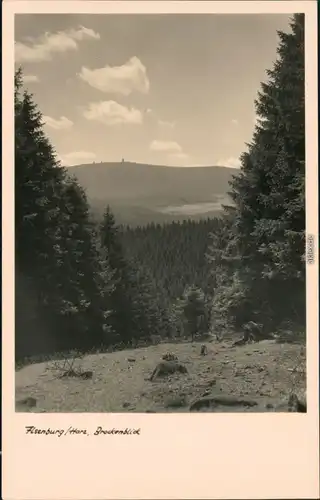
(126, 404)
(86, 375)
(169, 356)
(214, 401)
(212, 382)
(207, 392)
(296, 370)
(28, 402)
(269, 405)
(166, 368)
(239, 342)
(131, 360)
(203, 350)
(150, 411)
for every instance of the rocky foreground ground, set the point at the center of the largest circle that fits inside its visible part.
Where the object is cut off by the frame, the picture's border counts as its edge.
(257, 377)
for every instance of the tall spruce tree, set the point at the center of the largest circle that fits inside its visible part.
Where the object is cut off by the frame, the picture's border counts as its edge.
(151, 314)
(268, 234)
(86, 277)
(148, 316)
(193, 309)
(121, 297)
(38, 183)
(55, 248)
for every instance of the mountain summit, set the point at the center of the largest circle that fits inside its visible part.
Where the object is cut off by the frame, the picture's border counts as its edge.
(140, 193)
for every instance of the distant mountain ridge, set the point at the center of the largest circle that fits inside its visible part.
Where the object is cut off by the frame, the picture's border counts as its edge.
(141, 193)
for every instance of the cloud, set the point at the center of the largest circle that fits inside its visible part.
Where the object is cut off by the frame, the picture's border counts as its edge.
(42, 48)
(112, 113)
(166, 146)
(180, 156)
(76, 157)
(166, 124)
(30, 79)
(62, 123)
(125, 79)
(149, 114)
(231, 162)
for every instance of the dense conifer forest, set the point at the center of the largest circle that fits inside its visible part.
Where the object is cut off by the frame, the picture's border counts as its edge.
(86, 284)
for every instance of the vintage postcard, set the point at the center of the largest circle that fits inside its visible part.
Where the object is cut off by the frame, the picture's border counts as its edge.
(160, 250)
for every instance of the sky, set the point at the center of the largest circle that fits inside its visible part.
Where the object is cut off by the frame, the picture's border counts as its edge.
(173, 90)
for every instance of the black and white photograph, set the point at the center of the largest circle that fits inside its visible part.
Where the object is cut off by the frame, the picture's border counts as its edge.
(160, 213)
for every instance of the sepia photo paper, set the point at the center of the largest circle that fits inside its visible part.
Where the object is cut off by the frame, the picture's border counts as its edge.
(160, 250)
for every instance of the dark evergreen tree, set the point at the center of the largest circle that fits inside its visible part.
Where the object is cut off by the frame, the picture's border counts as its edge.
(148, 316)
(266, 244)
(38, 181)
(125, 317)
(193, 310)
(56, 255)
(110, 240)
(86, 277)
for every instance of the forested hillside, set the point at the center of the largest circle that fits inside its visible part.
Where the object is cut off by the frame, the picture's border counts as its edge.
(140, 194)
(84, 285)
(69, 282)
(175, 253)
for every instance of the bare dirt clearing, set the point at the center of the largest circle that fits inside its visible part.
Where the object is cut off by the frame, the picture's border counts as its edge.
(120, 381)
